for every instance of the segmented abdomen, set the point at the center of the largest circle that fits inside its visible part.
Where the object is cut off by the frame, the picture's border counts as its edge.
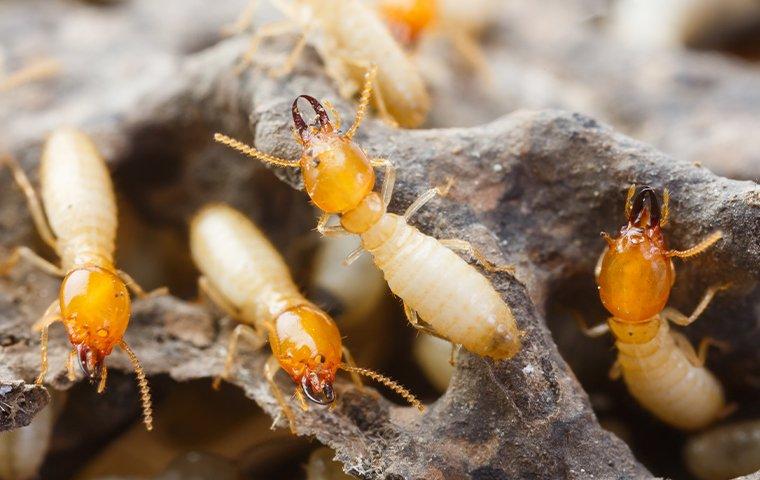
(664, 381)
(78, 197)
(239, 261)
(450, 295)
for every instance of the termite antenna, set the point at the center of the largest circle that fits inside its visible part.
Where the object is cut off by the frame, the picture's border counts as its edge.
(323, 119)
(252, 152)
(392, 384)
(143, 383)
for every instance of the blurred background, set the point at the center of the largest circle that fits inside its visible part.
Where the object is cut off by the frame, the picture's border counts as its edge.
(679, 74)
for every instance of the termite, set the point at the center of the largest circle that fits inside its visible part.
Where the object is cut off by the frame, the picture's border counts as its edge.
(246, 277)
(455, 300)
(635, 274)
(79, 223)
(349, 37)
(728, 451)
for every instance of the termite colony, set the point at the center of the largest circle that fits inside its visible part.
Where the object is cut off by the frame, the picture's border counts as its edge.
(265, 321)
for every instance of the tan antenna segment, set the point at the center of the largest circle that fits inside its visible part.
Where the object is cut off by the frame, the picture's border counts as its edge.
(143, 383)
(252, 152)
(392, 384)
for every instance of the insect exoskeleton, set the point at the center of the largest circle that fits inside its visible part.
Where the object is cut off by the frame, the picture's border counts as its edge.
(455, 300)
(245, 276)
(634, 275)
(350, 37)
(79, 223)
(727, 451)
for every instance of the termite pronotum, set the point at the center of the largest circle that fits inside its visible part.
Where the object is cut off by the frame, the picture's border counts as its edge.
(247, 278)
(94, 304)
(350, 37)
(634, 275)
(727, 451)
(451, 296)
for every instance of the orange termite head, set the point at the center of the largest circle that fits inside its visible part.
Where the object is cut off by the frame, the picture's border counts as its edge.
(636, 274)
(308, 346)
(408, 19)
(95, 307)
(337, 174)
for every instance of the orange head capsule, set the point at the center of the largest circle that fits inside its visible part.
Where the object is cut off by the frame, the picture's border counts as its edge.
(407, 19)
(636, 273)
(95, 308)
(308, 346)
(337, 174)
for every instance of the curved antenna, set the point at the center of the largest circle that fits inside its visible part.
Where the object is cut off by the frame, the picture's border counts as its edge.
(143, 383)
(392, 384)
(252, 152)
(323, 119)
(638, 204)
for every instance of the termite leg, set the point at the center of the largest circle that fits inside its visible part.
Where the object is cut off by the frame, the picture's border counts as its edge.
(70, 365)
(382, 109)
(137, 289)
(698, 248)
(350, 361)
(243, 21)
(426, 197)
(272, 30)
(455, 347)
(592, 332)
(32, 201)
(361, 110)
(329, 230)
(217, 298)
(353, 256)
(698, 357)
(254, 337)
(293, 56)
(629, 200)
(51, 315)
(465, 246)
(30, 256)
(389, 179)
(103, 378)
(298, 394)
(471, 51)
(38, 70)
(616, 371)
(270, 369)
(414, 319)
(334, 112)
(673, 315)
(598, 267)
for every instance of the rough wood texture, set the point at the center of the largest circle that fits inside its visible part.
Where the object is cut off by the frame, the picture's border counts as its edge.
(532, 188)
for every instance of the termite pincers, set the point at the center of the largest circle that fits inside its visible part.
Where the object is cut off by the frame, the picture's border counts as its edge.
(247, 278)
(349, 37)
(79, 223)
(634, 275)
(453, 299)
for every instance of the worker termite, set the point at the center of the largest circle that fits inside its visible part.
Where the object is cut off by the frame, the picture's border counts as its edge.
(634, 276)
(349, 37)
(451, 296)
(93, 304)
(246, 277)
(728, 451)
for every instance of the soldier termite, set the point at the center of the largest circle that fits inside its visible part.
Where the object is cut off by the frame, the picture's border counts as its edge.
(246, 277)
(79, 223)
(727, 451)
(634, 276)
(350, 37)
(451, 296)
